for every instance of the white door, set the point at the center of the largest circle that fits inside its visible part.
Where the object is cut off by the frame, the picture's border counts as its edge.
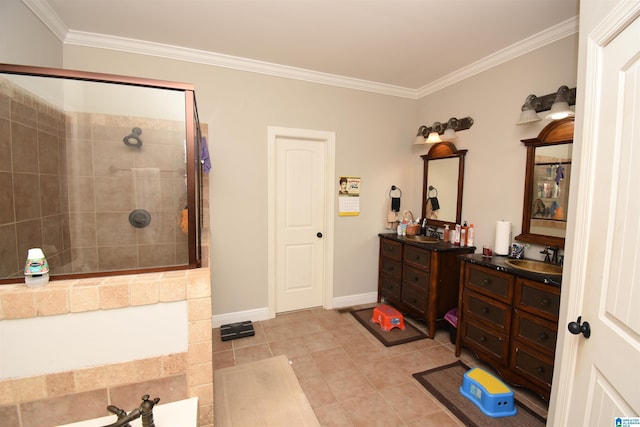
(597, 379)
(300, 219)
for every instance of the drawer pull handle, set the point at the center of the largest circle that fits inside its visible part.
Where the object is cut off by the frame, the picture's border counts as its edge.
(543, 336)
(544, 302)
(486, 281)
(485, 310)
(416, 279)
(483, 338)
(540, 370)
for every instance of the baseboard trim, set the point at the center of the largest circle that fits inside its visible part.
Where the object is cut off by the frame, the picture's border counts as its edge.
(259, 314)
(255, 315)
(352, 300)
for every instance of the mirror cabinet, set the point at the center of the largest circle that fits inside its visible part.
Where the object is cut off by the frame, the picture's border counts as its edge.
(443, 181)
(547, 179)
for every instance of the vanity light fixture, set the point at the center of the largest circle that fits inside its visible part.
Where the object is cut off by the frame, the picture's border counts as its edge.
(556, 103)
(434, 135)
(439, 132)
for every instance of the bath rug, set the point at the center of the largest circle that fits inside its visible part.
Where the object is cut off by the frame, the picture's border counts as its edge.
(444, 384)
(389, 338)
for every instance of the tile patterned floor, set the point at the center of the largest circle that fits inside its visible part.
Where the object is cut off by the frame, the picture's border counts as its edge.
(349, 377)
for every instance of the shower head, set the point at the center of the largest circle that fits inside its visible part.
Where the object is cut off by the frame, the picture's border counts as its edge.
(133, 139)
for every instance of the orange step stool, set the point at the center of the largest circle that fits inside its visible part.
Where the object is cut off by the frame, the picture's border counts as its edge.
(387, 317)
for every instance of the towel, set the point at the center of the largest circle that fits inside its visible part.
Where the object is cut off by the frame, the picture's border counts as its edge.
(204, 156)
(392, 217)
(395, 204)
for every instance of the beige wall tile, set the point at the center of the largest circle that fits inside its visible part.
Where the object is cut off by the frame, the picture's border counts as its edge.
(60, 384)
(6, 392)
(114, 295)
(200, 331)
(84, 298)
(90, 379)
(199, 309)
(32, 388)
(204, 393)
(18, 305)
(51, 301)
(200, 353)
(172, 289)
(144, 292)
(200, 374)
(199, 286)
(148, 369)
(173, 364)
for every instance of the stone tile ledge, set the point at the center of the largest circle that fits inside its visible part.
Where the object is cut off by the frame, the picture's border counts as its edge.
(17, 301)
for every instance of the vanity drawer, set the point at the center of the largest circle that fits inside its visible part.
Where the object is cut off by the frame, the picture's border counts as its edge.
(390, 287)
(391, 249)
(490, 282)
(417, 257)
(537, 298)
(415, 298)
(487, 310)
(484, 339)
(531, 364)
(535, 331)
(391, 268)
(417, 278)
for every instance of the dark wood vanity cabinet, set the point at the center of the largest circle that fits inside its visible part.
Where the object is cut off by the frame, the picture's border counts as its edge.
(420, 280)
(511, 323)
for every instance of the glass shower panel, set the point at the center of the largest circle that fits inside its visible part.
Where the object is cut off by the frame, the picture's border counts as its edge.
(97, 175)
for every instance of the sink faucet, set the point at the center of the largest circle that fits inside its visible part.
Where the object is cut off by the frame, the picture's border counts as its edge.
(550, 254)
(145, 410)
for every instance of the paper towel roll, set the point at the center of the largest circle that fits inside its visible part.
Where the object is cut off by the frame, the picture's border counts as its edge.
(503, 238)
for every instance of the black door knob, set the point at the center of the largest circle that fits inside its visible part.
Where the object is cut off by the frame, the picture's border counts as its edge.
(319, 235)
(578, 327)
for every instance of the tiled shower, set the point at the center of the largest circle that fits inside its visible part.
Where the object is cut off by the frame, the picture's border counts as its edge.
(72, 185)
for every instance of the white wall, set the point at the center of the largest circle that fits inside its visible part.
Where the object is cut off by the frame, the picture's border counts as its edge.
(24, 39)
(495, 163)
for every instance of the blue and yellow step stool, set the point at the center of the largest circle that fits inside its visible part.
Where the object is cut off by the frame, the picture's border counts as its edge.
(491, 395)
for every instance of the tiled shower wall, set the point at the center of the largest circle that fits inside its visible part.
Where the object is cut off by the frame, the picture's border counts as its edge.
(33, 211)
(68, 184)
(108, 180)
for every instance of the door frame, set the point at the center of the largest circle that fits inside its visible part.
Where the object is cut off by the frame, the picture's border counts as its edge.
(329, 140)
(578, 236)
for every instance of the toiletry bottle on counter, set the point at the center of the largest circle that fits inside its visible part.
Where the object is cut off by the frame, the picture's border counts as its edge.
(456, 240)
(399, 229)
(471, 235)
(446, 233)
(463, 234)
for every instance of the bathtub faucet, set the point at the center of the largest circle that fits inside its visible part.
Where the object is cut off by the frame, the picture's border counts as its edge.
(145, 410)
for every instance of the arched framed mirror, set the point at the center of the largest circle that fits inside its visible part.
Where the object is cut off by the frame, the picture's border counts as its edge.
(546, 188)
(443, 180)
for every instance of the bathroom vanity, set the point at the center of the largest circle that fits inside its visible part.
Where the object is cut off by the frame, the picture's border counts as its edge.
(509, 318)
(419, 279)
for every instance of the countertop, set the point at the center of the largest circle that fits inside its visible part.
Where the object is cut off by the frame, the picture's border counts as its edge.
(497, 262)
(440, 246)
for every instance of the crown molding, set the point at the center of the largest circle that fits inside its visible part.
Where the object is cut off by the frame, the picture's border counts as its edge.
(548, 36)
(49, 17)
(102, 41)
(45, 13)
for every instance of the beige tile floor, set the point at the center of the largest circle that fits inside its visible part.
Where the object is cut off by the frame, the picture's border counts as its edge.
(349, 377)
